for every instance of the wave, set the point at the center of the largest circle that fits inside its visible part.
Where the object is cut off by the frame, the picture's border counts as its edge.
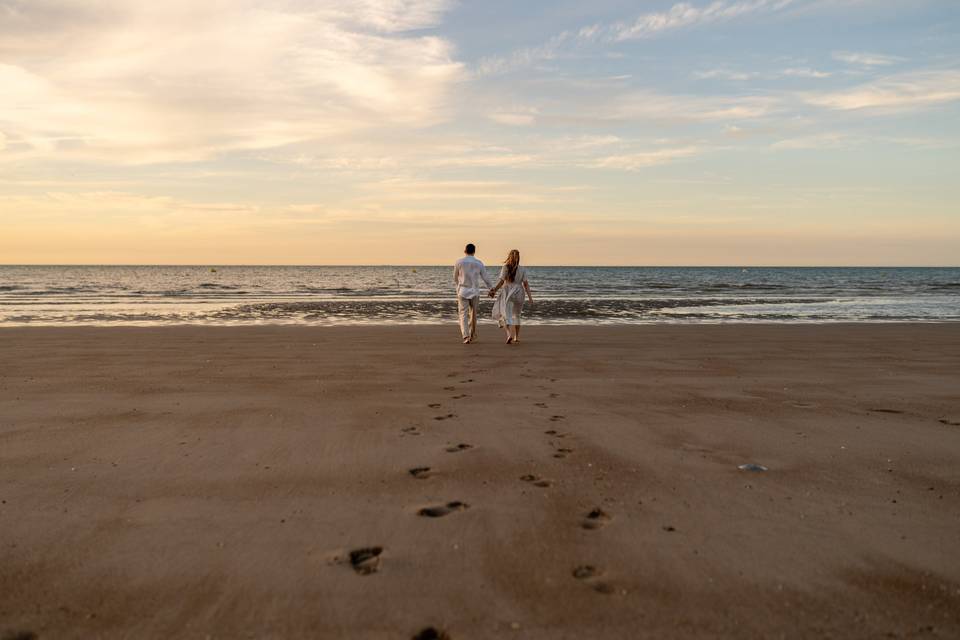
(58, 291)
(214, 285)
(549, 308)
(748, 286)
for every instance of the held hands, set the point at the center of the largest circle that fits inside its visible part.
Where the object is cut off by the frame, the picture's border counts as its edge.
(491, 293)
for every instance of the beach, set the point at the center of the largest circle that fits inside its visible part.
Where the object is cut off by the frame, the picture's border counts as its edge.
(212, 482)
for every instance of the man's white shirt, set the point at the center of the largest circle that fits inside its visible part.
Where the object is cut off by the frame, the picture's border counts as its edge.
(467, 274)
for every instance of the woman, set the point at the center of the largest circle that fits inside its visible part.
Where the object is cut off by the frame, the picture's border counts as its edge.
(509, 302)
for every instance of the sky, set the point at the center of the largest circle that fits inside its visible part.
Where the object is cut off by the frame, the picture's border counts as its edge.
(609, 132)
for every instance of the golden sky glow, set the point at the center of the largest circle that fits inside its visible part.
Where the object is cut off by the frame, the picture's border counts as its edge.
(394, 131)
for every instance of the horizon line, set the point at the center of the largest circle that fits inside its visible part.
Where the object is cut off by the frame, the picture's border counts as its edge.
(606, 266)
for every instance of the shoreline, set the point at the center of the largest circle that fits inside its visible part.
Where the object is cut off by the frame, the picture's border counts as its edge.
(491, 327)
(183, 481)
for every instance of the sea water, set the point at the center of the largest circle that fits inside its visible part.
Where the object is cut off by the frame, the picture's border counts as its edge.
(327, 295)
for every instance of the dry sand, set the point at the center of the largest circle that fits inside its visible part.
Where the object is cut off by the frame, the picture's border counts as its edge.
(212, 482)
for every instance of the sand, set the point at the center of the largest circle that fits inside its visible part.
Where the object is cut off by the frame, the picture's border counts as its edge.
(192, 482)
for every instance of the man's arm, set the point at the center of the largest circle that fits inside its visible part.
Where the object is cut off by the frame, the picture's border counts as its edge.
(483, 274)
(456, 273)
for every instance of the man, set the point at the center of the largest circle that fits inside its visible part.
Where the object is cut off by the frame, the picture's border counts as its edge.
(467, 274)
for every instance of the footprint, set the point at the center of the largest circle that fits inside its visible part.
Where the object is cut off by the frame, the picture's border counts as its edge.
(431, 633)
(949, 423)
(668, 528)
(554, 395)
(551, 432)
(535, 481)
(366, 560)
(462, 395)
(466, 381)
(886, 411)
(463, 446)
(446, 417)
(542, 405)
(595, 519)
(409, 431)
(556, 418)
(20, 634)
(587, 573)
(420, 473)
(449, 388)
(442, 510)
(562, 452)
(434, 405)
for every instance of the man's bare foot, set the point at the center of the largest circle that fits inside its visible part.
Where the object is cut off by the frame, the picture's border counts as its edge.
(467, 340)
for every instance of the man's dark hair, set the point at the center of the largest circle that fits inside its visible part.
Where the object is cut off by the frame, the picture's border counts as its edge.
(470, 250)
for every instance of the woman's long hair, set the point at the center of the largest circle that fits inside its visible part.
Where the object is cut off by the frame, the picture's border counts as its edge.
(512, 262)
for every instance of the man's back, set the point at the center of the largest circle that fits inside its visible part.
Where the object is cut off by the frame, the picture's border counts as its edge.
(467, 274)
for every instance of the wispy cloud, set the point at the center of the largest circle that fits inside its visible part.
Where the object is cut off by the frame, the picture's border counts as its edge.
(899, 92)
(691, 108)
(679, 16)
(725, 74)
(643, 159)
(866, 59)
(515, 117)
(682, 15)
(180, 80)
(741, 76)
(828, 140)
(805, 72)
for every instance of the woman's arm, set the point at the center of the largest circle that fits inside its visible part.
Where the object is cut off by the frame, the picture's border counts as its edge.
(526, 286)
(493, 291)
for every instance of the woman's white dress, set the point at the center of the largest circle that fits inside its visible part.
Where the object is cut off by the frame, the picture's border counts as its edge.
(509, 301)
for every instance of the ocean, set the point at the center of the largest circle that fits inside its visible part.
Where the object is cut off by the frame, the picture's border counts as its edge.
(331, 295)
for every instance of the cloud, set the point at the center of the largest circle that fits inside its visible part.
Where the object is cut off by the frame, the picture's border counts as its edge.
(146, 82)
(817, 141)
(805, 72)
(866, 59)
(724, 74)
(683, 15)
(895, 93)
(525, 57)
(643, 160)
(792, 72)
(678, 108)
(680, 15)
(515, 117)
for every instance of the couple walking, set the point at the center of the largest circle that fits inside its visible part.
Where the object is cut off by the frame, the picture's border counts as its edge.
(508, 293)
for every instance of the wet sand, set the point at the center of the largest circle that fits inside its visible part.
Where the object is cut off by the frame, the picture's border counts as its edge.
(295, 482)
